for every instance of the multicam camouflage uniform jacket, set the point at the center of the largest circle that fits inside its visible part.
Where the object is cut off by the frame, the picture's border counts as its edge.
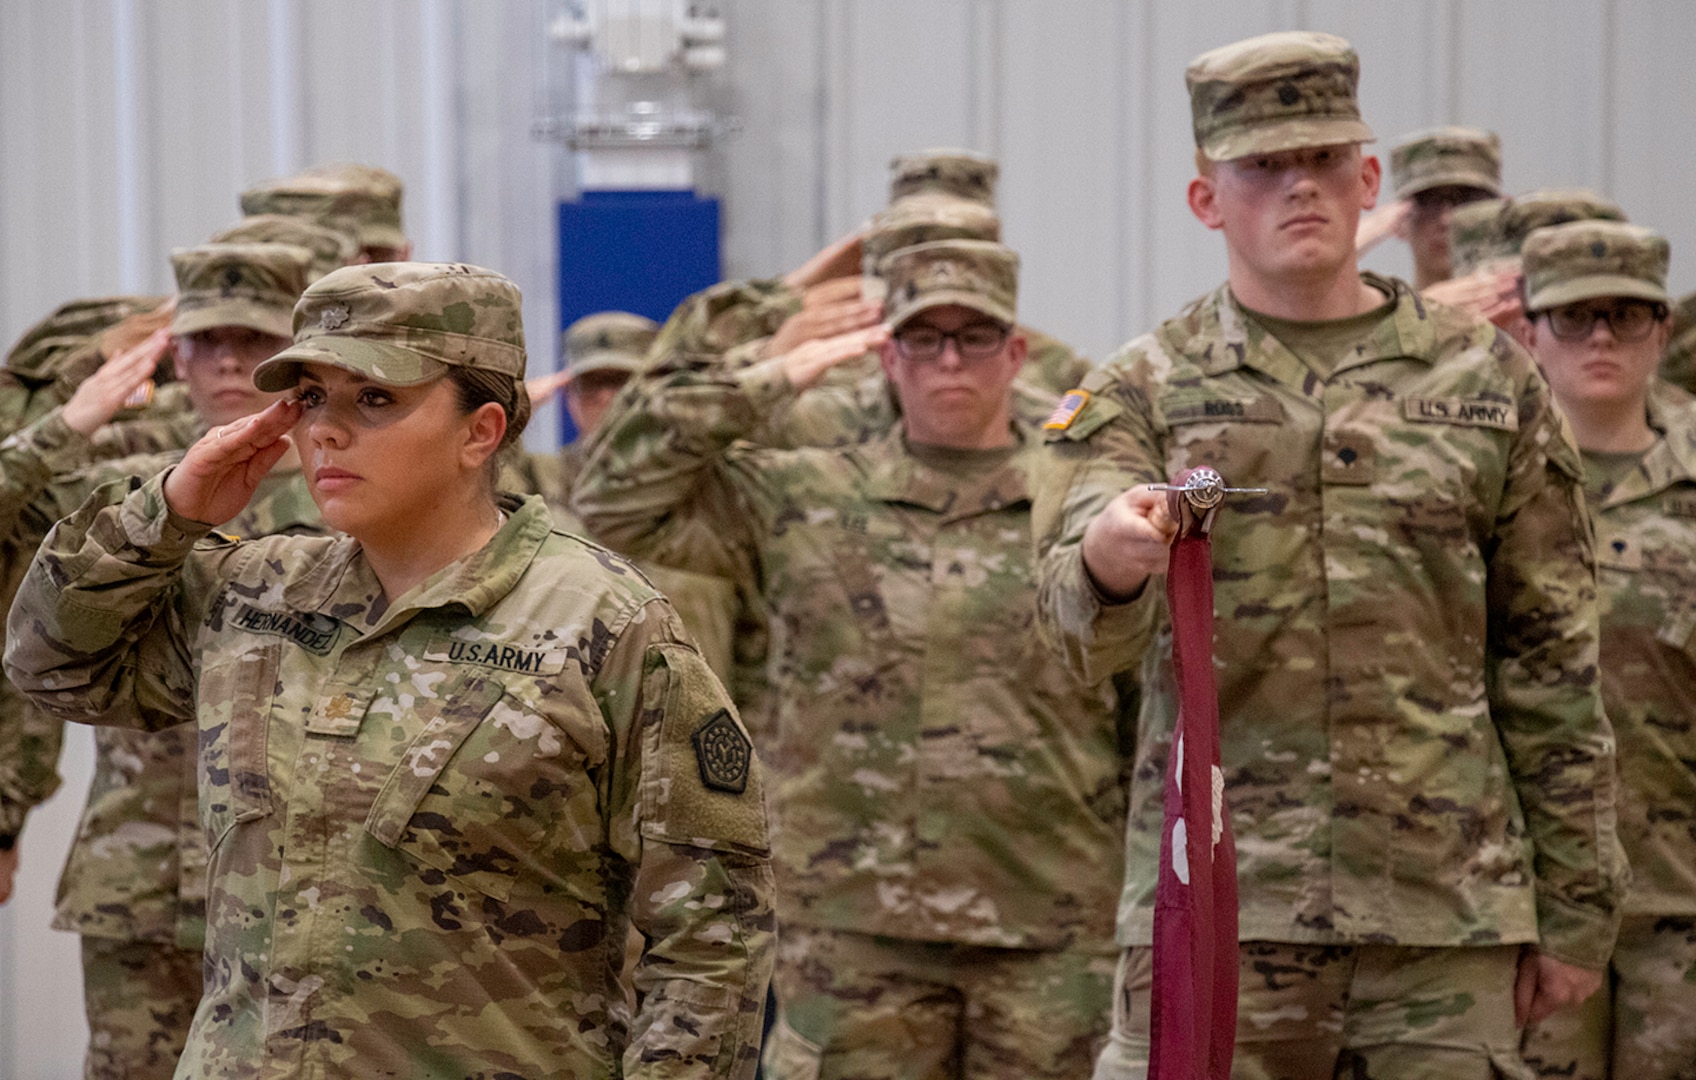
(427, 819)
(29, 459)
(940, 778)
(706, 604)
(137, 868)
(1646, 572)
(1414, 747)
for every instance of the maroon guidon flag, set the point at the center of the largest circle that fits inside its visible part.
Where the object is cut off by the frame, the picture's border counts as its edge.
(1194, 1021)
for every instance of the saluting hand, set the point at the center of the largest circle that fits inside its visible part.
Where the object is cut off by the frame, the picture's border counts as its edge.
(103, 393)
(807, 363)
(1489, 294)
(835, 307)
(128, 333)
(543, 388)
(1379, 225)
(220, 473)
(1129, 542)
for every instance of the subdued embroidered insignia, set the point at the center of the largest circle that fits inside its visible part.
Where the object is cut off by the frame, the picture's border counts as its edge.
(333, 317)
(723, 753)
(1064, 413)
(311, 631)
(1488, 412)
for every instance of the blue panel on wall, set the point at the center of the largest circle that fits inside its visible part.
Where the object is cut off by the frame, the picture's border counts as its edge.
(640, 251)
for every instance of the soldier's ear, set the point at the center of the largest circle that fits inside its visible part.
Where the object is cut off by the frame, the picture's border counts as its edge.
(1018, 349)
(485, 427)
(1203, 194)
(1372, 175)
(886, 357)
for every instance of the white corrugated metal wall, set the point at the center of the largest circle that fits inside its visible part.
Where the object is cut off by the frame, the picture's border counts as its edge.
(128, 126)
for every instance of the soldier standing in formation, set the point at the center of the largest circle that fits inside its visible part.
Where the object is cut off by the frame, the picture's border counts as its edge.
(445, 758)
(1596, 293)
(946, 799)
(1418, 770)
(134, 884)
(1432, 173)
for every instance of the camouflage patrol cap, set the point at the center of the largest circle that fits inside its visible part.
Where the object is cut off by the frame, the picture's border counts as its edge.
(1678, 362)
(977, 274)
(1275, 92)
(330, 247)
(70, 325)
(1583, 260)
(370, 211)
(403, 324)
(380, 182)
(963, 174)
(1554, 206)
(608, 341)
(250, 285)
(1476, 237)
(1447, 157)
(921, 218)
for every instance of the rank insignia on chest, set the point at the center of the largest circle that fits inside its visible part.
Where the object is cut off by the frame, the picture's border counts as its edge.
(1064, 413)
(723, 753)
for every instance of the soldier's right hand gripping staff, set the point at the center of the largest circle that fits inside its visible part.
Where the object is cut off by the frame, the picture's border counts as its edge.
(446, 759)
(1419, 772)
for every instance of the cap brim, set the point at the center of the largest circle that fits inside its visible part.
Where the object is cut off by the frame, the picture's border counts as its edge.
(251, 315)
(387, 364)
(1449, 179)
(381, 236)
(606, 360)
(1294, 134)
(1593, 287)
(965, 298)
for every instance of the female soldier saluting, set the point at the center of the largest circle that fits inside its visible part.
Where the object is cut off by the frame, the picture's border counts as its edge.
(443, 759)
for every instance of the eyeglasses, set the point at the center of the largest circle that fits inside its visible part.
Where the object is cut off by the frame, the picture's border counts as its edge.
(978, 341)
(1628, 320)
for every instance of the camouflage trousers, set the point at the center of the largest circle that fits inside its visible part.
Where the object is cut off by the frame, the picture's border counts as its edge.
(1364, 1012)
(1641, 1025)
(140, 997)
(855, 1005)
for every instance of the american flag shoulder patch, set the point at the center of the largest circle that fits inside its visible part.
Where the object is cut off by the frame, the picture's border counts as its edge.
(1064, 413)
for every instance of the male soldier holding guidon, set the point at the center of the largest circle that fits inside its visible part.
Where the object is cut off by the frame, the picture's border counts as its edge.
(947, 800)
(1419, 774)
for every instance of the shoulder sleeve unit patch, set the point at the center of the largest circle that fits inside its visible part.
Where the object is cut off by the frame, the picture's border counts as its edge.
(723, 753)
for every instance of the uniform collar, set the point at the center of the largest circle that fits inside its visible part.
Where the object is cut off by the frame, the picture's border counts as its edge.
(894, 475)
(1672, 460)
(343, 586)
(1219, 335)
